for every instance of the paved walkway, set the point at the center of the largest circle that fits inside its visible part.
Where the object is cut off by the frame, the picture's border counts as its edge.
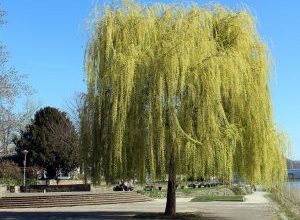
(255, 207)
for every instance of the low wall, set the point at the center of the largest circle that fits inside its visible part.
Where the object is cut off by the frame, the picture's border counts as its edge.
(56, 188)
(102, 188)
(109, 188)
(3, 190)
(60, 182)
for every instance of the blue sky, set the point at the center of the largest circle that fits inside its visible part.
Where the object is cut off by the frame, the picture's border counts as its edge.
(46, 41)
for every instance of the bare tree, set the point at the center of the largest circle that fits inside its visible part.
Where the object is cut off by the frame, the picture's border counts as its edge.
(26, 115)
(74, 108)
(2, 14)
(12, 87)
(8, 120)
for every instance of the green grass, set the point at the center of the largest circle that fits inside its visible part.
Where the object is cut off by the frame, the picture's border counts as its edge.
(154, 193)
(190, 190)
(186, 192)
(184, 215)
(10, 182)
(16, 182)
(235, 198)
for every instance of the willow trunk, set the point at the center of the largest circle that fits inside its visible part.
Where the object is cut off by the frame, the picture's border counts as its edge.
(171, 195)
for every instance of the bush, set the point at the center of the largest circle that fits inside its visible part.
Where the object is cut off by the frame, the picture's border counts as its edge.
(10, 182)
(33, 172)
(9, 170)
(239, 190)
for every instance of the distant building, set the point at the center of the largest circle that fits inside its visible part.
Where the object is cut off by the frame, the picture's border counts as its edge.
(293, 164)
(293, 169)
(293, 174)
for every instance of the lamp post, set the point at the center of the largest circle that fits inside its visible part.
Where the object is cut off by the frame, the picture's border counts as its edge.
(25, 154)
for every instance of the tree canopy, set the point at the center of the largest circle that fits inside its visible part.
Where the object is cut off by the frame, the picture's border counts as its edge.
(51, 141)
(188, 83)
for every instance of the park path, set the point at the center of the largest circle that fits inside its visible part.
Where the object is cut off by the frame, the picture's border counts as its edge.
(256, 207)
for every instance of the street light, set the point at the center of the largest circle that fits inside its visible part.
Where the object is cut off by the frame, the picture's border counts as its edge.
(25, 154)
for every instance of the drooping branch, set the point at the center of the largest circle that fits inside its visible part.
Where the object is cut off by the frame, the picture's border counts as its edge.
(198, 75)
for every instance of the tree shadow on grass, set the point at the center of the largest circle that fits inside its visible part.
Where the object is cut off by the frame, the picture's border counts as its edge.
(99, 215)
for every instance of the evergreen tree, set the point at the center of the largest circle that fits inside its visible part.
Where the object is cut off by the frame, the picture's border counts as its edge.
(51, 141)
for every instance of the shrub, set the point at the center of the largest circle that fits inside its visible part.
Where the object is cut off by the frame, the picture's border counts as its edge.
(10, 182)
(239, 190)
(9, 170)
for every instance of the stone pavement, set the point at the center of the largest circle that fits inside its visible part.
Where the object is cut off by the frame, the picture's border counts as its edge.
(255, 207)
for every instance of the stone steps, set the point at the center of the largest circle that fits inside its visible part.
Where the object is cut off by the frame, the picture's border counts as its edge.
(71, 200)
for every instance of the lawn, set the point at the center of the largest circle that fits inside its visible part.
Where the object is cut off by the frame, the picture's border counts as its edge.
(210, 198)
(189, 192)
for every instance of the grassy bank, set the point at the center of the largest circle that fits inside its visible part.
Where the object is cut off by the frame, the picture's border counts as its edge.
(288, 201)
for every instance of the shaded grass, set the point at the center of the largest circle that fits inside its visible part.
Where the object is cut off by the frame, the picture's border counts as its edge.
(234, 198)
(184, 216)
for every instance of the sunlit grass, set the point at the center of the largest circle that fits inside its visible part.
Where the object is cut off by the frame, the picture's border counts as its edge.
(235, 198)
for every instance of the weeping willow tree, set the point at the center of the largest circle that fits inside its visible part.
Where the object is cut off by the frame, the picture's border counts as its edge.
(179, 90)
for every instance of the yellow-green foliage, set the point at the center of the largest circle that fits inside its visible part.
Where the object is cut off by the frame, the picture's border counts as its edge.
(195, 80)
